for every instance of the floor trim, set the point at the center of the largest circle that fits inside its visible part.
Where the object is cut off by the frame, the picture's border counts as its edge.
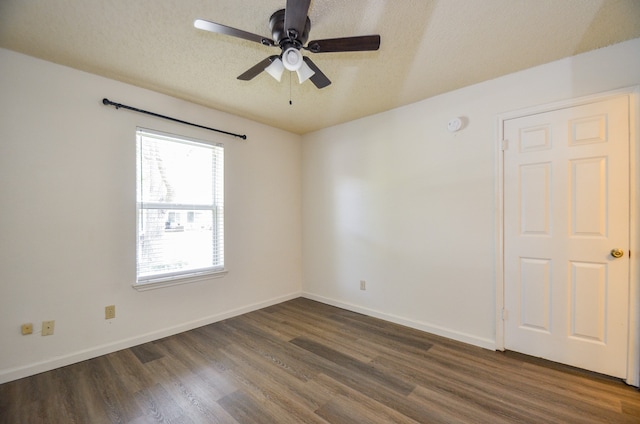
(83, 355)
(489, 344)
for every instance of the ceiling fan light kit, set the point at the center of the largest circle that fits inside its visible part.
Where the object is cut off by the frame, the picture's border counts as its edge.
(304, 72)
(276, 69)
(292, 59)
(290, 30)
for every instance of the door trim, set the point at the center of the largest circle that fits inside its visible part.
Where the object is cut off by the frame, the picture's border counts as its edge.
(633, 93)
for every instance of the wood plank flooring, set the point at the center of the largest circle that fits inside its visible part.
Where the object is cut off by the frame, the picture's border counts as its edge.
(306, 362)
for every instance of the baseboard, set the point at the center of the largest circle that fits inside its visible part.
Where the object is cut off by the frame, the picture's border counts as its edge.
(422, 326)
(72, 358)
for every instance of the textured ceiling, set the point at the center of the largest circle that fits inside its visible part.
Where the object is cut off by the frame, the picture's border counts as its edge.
(428, 47)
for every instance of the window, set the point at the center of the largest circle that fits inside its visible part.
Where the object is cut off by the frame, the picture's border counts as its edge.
(180, 209)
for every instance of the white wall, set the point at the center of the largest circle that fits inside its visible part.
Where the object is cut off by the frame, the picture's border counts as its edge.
(396, 200)
(393, 199)
(67, 217)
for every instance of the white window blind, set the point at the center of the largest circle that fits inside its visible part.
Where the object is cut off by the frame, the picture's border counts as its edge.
(180, 207)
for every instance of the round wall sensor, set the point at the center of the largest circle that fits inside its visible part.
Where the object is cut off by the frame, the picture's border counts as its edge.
(454, 124)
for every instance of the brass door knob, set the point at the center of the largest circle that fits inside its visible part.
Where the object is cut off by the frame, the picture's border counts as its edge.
(617, 253)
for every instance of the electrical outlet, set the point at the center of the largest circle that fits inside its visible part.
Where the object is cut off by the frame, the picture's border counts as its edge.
(363, 285)
(110, 312)
(27, 329)
(47, 327)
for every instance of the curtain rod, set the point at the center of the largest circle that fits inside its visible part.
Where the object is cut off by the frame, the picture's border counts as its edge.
(108, 102)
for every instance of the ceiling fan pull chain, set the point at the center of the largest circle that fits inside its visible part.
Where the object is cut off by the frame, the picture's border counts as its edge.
(290, 102)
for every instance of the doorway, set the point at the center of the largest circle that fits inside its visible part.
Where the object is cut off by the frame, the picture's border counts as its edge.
(566, 235)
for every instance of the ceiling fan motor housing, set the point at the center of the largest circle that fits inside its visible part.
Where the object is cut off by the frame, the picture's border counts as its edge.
(290, 29)
(281, 35)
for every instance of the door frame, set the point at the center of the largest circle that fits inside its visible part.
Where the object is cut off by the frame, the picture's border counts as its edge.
(633, 353)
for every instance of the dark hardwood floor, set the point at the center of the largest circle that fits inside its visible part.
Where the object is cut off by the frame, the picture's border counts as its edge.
(305, 362)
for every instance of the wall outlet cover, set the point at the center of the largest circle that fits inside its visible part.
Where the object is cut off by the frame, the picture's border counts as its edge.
(48, 327)
(110, 312)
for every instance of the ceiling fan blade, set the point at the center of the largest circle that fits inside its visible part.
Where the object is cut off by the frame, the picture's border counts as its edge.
(295, 16)
(347, 44)
(318, 79)
(255, 70)
(234, 32)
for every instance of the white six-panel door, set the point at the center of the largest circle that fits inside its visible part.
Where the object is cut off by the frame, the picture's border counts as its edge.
(566, 208)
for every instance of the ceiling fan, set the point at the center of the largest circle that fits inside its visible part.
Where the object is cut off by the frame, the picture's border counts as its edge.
(290, 30)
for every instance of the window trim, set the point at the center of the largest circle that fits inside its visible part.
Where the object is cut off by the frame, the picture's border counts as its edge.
(184, 278)
(177, 277)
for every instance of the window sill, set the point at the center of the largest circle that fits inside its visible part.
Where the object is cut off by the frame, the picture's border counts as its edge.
(178, 280)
